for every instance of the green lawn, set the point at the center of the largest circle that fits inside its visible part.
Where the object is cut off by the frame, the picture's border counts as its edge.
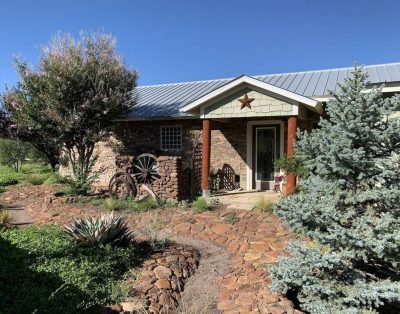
(43, 271)
(31, 174)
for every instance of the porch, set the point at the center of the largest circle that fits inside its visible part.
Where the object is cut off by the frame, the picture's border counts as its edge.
(244, 200)
(262, 121)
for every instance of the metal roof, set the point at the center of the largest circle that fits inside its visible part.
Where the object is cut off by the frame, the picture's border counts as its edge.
(166, 100)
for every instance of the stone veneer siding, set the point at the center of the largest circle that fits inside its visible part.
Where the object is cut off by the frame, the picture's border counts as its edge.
(228, 144)
(170, 185)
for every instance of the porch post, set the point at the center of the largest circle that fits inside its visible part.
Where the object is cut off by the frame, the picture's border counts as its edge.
(292, 128)
(206, 149)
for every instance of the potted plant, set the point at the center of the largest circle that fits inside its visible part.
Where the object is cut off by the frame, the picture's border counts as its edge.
(286, 165)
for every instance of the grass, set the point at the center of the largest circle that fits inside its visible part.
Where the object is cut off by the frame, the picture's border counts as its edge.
(55, 178)
(5, 217)
(263, 205)
(112, 204)
(201, 205)
(30, 174)
(231, 218)
(48, 273)
(8, 176)
(152, 229)
(36, 178)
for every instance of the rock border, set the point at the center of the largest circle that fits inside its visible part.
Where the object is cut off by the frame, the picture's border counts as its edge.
(162, 279)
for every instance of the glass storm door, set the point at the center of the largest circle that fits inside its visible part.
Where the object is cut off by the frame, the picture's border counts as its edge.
(265, 155)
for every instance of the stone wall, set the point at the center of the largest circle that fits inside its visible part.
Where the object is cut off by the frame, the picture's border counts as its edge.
(169, 187)
(138, 137)
(228, 148)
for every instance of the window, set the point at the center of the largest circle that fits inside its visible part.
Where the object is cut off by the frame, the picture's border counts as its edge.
(171, 137)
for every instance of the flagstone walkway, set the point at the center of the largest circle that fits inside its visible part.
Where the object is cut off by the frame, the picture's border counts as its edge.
(254, 241)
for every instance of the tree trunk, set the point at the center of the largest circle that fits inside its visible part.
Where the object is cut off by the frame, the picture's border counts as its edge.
(53, 165)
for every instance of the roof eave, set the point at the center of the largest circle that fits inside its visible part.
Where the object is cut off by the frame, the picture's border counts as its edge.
(243, 79)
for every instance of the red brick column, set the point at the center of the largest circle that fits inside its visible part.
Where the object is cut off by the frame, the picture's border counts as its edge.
(292, 129)
(206, 147)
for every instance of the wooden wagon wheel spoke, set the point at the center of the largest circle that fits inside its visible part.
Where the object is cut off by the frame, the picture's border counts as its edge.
(146, 168)
(141, 164)
(140, 168)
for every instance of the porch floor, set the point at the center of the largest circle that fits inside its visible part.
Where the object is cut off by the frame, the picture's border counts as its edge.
(244, 199)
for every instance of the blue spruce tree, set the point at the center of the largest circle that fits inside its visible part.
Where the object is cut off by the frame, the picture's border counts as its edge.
(349, 212)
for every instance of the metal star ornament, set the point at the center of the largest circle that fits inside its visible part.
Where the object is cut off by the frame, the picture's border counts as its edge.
(245, 102)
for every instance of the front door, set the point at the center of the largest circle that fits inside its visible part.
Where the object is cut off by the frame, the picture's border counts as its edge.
(265, 153)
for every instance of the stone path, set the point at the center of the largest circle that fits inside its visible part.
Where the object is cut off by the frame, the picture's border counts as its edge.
(253, 241)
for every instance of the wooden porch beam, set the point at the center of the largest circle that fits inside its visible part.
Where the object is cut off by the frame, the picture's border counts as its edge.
(292, 129)
(206, 150)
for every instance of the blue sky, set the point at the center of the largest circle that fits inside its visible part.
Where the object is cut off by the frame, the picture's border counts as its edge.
(177, 40)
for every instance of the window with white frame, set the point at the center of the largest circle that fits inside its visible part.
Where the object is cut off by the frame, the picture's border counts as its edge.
(171, 137)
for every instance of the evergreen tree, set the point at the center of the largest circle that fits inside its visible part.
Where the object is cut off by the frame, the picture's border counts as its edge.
(349, 211)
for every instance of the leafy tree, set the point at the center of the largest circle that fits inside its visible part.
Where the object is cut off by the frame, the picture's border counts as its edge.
(28, 122)
(14, 152)
(74, 95)
(349, 211)
(4, 123)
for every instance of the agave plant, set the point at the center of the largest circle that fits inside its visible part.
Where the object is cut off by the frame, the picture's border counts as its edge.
(109, 228)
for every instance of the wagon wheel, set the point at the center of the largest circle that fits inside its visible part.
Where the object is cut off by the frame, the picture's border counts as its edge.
(122, 186)
(147, 169)
(145, 191)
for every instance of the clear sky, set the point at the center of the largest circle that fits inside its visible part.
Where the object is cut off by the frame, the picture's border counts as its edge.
(178, 40)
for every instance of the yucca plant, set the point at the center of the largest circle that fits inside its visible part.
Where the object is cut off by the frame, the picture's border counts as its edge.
(105, 229)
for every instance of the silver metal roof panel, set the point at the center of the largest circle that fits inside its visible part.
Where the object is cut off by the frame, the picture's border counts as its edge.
(166, 100)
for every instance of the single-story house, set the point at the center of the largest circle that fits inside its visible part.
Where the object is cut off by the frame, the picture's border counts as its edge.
(231, 129)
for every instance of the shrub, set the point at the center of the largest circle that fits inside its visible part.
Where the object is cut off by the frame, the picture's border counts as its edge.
(48, 273)
(231, 218)
(82, 181)
(200, 205)
(105, 229)
(55, 178)
(111, 204)
(35, 167)
(147, 204)
(291, 164)
(152, 230)
(263, 205)
(5, 217)
(36, 179)
(8, 176)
